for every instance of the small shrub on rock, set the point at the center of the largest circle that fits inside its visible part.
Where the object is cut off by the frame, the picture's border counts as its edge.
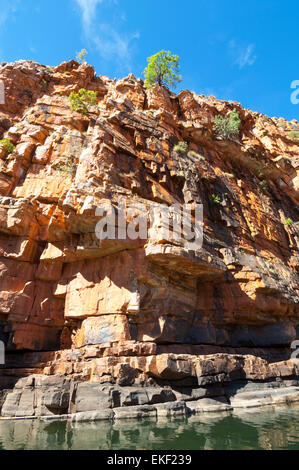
(81, 56)
(216, 199)
(288, 222)
(263, 184)
(82, 100)
(181, 147)
(8, 145)
(294, 135)
(66, 165)
(227, 127)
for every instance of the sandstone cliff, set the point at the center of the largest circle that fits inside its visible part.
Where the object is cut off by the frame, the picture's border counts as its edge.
(144, 312)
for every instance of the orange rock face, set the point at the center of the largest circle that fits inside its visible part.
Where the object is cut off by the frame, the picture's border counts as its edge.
(61, 288)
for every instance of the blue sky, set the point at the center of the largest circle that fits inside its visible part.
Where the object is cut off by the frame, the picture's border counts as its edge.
(248, 52)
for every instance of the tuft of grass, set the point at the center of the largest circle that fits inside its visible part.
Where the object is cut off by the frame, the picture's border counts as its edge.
(193, 154)
(289, 222)
(8, 145)
(263, 184)
(294, 135)
(66, 166)
(216, 199)
(181, 147)
(150, 112)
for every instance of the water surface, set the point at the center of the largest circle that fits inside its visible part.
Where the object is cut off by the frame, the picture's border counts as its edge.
(260, 428)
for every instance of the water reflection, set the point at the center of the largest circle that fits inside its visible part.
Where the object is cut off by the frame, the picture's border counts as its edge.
(267, 428)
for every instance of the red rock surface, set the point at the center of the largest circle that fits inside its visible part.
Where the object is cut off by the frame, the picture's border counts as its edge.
(62, 290)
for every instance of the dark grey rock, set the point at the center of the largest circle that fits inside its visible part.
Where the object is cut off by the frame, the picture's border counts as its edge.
(45, 381)
(11, 404)
(57, 399)
(92, 397)
(209, 405)
(26, 405)
(177, 408)
(127, 375)
(134, 398)
(192, 394)
(278, 334)
(89, 416)
(265, 397)
(135, 412)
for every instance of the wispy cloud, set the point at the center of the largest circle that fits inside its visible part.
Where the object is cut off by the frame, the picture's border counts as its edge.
(109, 41)
(242, 55)
(7, 9)
(88, 8)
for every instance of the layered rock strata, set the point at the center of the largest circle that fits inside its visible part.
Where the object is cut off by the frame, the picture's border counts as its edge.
(83, 317)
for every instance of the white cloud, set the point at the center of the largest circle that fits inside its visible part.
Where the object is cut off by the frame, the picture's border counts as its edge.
(7, 10)
(110, 43)
(88, 8)
(242, 55)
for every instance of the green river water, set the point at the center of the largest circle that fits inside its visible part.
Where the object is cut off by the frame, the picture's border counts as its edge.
(260, 428)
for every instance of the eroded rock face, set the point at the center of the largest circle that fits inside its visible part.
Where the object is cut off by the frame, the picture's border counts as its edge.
(62, 289)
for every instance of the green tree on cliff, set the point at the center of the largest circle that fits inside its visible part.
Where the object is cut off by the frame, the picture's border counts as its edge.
(81, 56)
(163, 68)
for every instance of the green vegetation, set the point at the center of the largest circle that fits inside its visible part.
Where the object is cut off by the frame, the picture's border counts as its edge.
(120, 173)
(181, 147)
(263, 184)
(8, 145)
(163, 68)
(288, 222)
(66, 166)
(294, 135)
(216, 199)
(81, 56)
(193, 154)
(150, 112)
(82, 100)
(226, 127)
